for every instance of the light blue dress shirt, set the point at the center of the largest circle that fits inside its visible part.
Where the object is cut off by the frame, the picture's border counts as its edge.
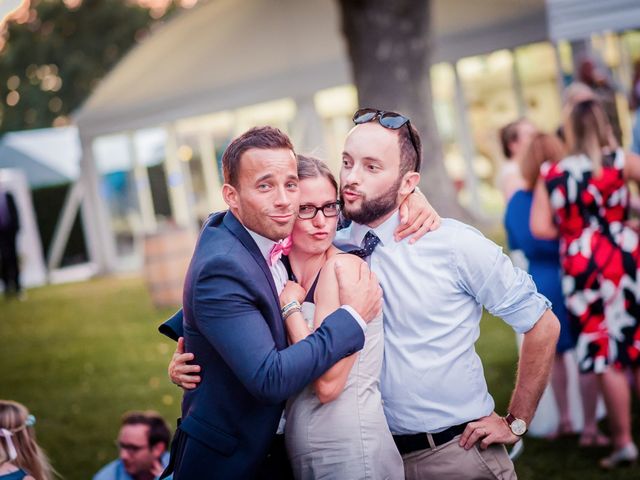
(434, 291)
(115, 470)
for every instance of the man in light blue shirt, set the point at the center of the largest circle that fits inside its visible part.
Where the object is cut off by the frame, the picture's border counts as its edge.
(143, 444)
(433, 387)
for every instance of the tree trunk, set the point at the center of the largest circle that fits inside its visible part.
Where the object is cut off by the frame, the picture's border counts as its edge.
(389, 45)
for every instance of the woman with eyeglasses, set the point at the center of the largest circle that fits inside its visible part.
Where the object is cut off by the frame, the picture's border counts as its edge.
(336, 427)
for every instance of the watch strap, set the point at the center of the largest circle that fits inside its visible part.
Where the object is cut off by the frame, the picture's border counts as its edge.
(511, 418)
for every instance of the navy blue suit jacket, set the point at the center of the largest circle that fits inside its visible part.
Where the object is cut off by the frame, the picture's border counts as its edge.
(232, 323)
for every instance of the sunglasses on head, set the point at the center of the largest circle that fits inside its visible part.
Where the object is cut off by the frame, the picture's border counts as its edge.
(391, 120)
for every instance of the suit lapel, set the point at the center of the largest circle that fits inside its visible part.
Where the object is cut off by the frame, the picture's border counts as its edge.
(235, 227)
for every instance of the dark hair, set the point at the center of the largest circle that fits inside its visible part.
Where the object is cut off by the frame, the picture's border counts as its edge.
(311, 167)
(264, 138)
(158, 428)
(509, 134)
(544, 147)
(410, 157)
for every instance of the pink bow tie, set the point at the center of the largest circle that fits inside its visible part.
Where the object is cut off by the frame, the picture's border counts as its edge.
(283, 247)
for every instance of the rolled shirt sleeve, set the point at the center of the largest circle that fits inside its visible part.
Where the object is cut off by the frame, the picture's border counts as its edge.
(488, 275)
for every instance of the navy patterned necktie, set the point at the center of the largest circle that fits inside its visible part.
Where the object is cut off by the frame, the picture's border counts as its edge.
(371, 241)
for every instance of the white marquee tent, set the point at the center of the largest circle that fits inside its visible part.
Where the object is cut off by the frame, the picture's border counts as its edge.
(226, 54)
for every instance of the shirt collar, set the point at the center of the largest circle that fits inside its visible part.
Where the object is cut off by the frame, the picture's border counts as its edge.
(383, 231)
(264, 244)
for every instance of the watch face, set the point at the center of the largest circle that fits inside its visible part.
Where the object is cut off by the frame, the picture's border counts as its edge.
(518, 426)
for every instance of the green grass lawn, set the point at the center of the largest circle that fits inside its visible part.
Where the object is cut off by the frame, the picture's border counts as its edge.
(80, 355)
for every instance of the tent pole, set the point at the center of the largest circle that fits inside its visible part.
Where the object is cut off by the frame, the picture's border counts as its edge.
(98, 233)
(65, 224)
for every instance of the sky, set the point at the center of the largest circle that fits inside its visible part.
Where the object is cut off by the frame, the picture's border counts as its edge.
(7, 6)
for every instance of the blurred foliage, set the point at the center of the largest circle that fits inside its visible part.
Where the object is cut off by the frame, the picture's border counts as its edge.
(53, 58)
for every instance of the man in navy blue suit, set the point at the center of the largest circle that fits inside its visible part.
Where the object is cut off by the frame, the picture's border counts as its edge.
(233, 322)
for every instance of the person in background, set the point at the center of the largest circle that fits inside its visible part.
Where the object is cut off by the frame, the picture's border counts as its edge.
(143, 444)
(597, 78)
(634, 106)
(20, 456)
(544, 266)
(9, 226)
(514, 139)
(584, 200)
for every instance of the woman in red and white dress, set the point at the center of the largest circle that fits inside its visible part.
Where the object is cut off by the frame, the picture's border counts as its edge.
(583, 200)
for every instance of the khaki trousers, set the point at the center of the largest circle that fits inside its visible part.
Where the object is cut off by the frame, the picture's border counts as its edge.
(450, 461)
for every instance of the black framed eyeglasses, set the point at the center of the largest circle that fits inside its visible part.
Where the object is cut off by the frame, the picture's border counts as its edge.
(132, 449)
(307, 212)
(391, 120)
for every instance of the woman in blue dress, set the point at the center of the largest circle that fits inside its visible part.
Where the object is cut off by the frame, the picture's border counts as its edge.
(544, 266)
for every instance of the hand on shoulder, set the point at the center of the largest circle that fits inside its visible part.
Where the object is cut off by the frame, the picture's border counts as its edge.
(358, 286)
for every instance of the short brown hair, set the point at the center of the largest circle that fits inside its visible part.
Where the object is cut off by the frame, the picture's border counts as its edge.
(158, 428)
(410, 157)
(544, 147)
(265, 138)
(312, 167)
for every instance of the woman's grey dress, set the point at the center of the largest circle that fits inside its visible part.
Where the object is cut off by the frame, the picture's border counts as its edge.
(348, 438)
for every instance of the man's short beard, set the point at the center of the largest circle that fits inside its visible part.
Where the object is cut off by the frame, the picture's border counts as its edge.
(375, 208)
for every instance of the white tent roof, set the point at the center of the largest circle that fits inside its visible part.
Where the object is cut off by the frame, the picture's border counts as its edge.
(227, 53)
(57, 148)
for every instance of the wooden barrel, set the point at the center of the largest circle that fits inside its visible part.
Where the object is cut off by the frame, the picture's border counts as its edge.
(166, 258)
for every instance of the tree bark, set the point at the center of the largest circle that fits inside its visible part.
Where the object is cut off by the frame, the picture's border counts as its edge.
(389, 45)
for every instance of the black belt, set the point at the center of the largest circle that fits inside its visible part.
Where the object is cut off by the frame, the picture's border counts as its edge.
(419, 441)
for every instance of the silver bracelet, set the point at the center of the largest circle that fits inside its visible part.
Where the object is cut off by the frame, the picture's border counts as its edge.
(290, 312)
(289, 306)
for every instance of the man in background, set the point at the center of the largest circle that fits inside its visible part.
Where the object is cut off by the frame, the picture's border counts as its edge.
(514, 140)
(143, 444)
